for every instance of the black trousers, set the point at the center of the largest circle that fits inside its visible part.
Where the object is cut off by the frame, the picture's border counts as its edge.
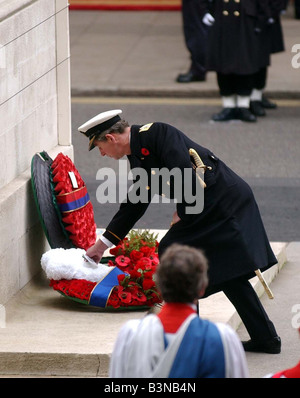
(195, 34)
(260, 79)
(248, 305)
(235, 84)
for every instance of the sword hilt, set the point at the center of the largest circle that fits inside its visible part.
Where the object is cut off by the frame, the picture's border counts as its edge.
(199, 165)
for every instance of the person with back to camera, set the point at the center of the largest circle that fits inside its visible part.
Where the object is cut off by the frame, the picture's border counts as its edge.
(177, 343)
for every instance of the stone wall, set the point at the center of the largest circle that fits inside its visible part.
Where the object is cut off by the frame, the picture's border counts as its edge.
(35, 115)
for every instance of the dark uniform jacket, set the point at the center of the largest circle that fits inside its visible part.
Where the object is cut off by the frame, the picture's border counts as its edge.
(270, 33)
(233, 40)
(277, 39)
(229, 229)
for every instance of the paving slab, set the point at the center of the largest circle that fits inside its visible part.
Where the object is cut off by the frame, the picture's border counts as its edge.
(132, 53)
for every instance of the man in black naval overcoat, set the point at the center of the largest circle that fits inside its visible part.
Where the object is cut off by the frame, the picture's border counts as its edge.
(195, 35)
(271, 42)
(233, 52)
(229, 228)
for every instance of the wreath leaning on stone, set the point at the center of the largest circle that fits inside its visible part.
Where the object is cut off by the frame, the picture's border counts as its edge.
(123, 281)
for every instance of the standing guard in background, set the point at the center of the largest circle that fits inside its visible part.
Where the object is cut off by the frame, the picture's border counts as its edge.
(229, 229)
(195, 35)
(233, 52)
(271, 42)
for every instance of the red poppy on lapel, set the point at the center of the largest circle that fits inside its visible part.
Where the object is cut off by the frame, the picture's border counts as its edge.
(145, 151)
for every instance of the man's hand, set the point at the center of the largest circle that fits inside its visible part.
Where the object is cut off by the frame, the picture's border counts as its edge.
(96, 252)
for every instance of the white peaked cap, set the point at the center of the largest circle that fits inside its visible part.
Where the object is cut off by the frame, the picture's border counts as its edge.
(102, 122)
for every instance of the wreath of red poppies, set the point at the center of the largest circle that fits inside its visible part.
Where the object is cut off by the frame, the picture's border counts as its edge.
(137, 256)
(73, 203)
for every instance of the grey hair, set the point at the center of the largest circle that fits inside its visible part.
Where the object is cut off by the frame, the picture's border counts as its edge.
(182, 273)
(118, 127)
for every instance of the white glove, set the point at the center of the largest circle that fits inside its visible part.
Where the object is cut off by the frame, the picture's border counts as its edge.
(208, 19)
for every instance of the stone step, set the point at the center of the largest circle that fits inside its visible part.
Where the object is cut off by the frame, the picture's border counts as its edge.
(45, 334)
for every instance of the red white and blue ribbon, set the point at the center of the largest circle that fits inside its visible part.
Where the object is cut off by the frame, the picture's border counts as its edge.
(74, 200)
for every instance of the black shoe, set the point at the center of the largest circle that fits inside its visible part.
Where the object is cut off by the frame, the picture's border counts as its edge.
(257, 109)
(189, 77)
(245, 115)
(225, 115)
(272, 346)
(268, 104)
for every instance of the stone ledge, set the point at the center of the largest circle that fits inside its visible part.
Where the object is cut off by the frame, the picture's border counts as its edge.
(48, 335)
(62, 364)
(218, 308)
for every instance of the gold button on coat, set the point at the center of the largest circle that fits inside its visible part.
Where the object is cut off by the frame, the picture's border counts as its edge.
(236, 13)
(225, 12)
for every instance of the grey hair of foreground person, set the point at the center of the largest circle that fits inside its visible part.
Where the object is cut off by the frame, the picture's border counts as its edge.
(181, 275)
